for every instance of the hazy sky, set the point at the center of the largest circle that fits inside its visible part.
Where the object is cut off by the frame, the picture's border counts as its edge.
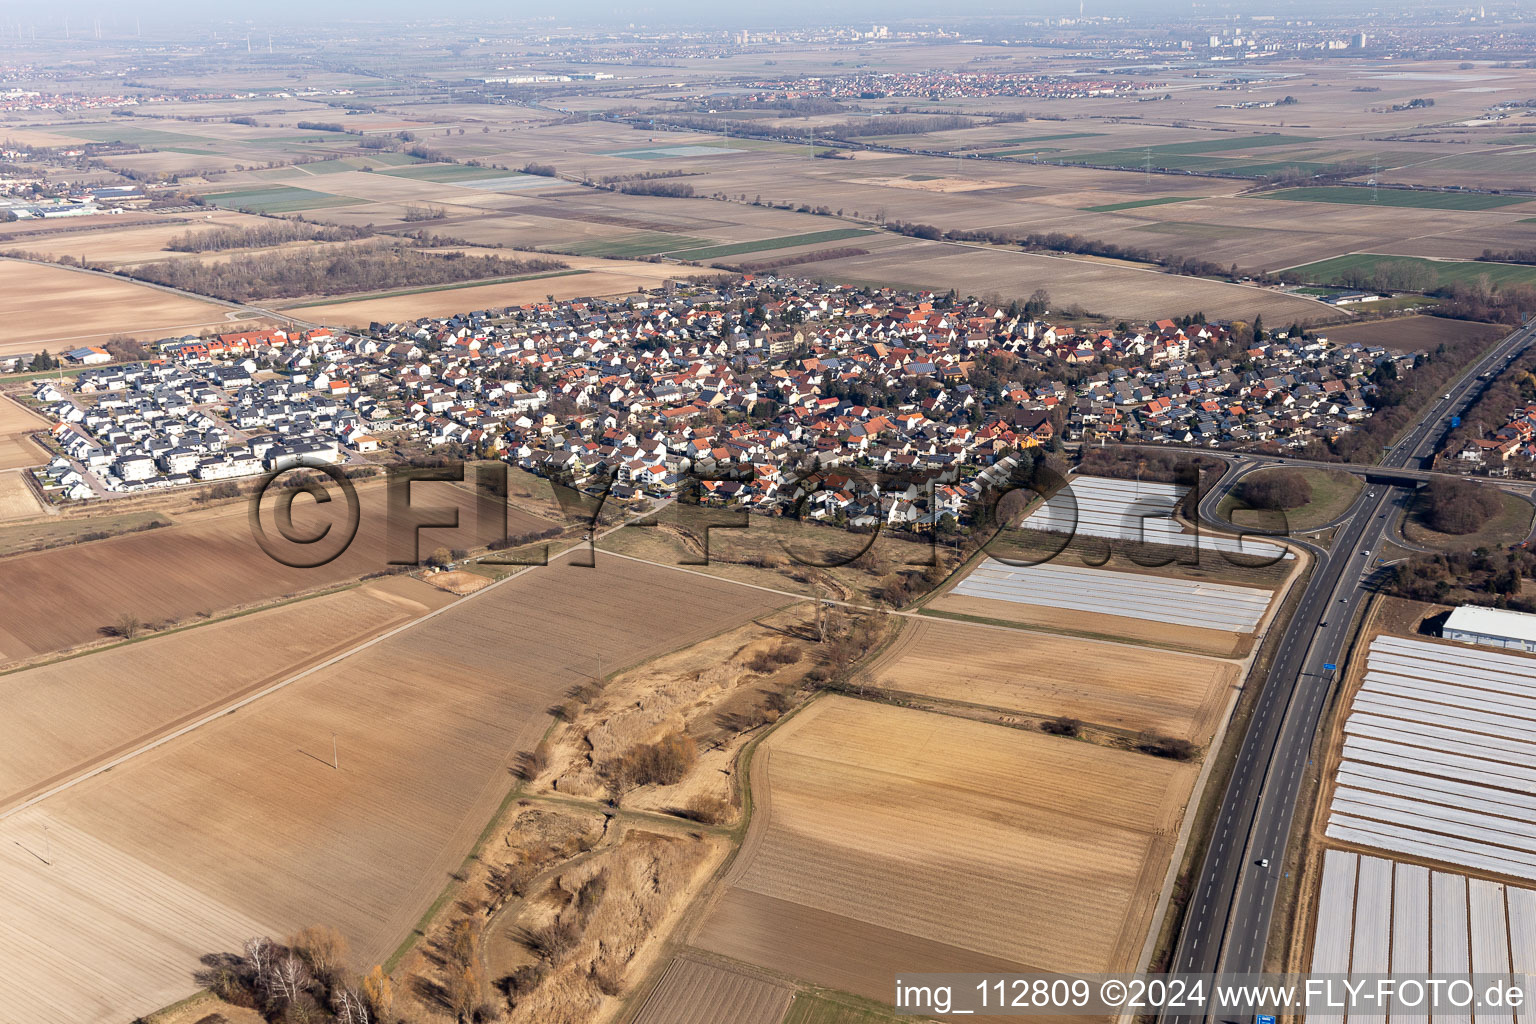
(587, 12)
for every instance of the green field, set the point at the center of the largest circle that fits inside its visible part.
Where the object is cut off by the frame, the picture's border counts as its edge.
(1115, 207)
(713, 252)
(1033, 151)
(357, 163)
(1264, 170)
(815, 1009)
(445, 172)
(134, 135)
(639, 243)
(1337, 271)
(1035, 138)
(1189, 156)
(1360, 195)
(325, 167)
(278, 199)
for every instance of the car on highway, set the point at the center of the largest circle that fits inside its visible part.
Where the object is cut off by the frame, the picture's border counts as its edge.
(1263, 862)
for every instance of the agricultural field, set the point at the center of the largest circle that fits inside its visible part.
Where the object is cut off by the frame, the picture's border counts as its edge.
(54, 308)
(17, 500)
(131, 243)
(1414, 333)
(445, 172)
(278, 199)
(1137, 204)
(1436, 273)
(246, 825)
(1097, 286)
(137, 692)
(1196, 615)
(820, 1008)
(1040, 676)
(17, 449)
(1377, 916)
(54, 531)
(768, 244)
(1360, 196)
(697, 991)
(884, 837)
(162, 576)
(586, 277)
(1437, 757)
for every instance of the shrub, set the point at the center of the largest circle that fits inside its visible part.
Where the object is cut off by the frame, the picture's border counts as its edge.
(663, 763)
(1459, 506)
(1166, 746)
(553, 941)
(1061, 726)
(1276, 489)
(710, 810)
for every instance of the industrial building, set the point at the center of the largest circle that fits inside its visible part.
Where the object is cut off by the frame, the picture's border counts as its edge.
(1491, 627)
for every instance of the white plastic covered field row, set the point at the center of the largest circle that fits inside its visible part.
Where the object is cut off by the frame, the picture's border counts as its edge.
(1377, 916)
(1153, 598)
(1439, 757)
(1140, 513)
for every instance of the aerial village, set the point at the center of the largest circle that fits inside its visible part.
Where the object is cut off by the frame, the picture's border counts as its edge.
(742, 383)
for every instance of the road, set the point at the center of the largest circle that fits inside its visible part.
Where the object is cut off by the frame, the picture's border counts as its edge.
(1233, 898)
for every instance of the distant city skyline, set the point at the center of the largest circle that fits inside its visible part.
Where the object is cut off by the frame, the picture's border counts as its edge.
(118, 20)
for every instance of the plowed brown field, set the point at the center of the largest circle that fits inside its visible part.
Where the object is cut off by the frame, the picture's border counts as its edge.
(693, 991)
(888, 837)
(244, 824)
(127, 695)
(206, 562)
(16, 448)
(1117, 685)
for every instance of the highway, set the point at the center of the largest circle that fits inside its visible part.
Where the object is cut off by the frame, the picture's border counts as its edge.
(1233, 897)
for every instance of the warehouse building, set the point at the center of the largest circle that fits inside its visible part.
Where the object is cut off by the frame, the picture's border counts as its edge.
(1491, 627)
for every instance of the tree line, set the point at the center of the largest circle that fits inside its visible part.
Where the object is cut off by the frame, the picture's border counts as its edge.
(353, 268)
(1060, 241)
(269, 232)
(894, 125)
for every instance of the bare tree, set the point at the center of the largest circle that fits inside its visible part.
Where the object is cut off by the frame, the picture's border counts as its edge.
(260, 954)
(323, 947)
(351, 1008)
(289, 978)
(128, 626)
(465, 990)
